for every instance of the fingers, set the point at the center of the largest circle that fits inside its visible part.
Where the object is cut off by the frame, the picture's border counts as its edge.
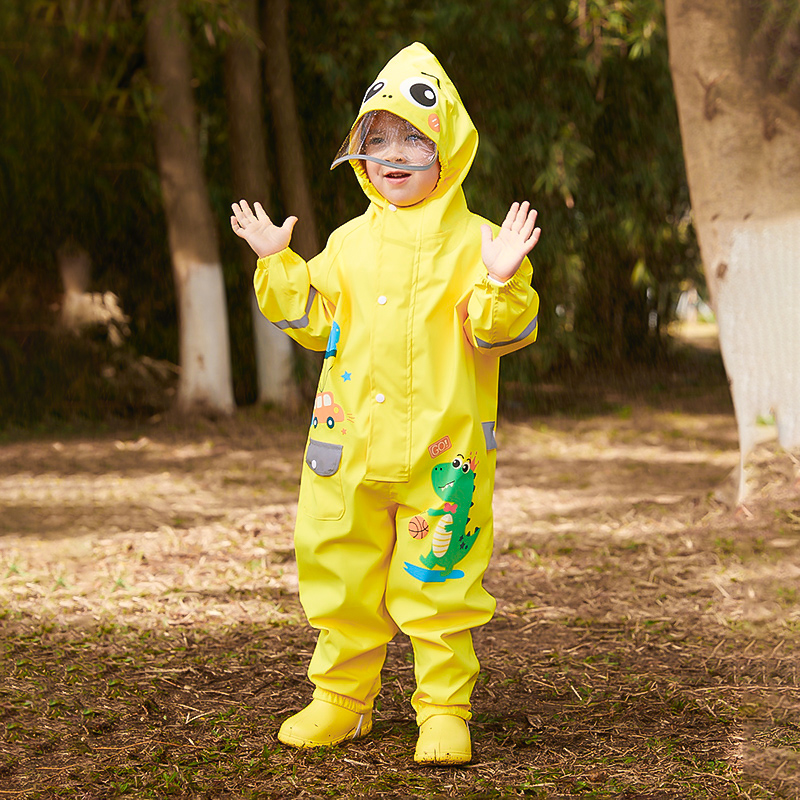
(239, 214)
(511, 217)
(518, 216)
(530, 243)
(244, 214)
(529, 227)
(521, 219)
(522, 215)
(261, 214)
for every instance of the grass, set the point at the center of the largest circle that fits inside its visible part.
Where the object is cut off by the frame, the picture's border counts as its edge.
(130, 713)
(646, 643)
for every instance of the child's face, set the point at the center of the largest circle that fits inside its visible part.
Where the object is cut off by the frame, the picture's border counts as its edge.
(398, 144)
(402, 188)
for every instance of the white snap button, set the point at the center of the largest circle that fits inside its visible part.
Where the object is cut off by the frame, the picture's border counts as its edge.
(380, 397)
(313, 463)
(382, 299)
(392, 207)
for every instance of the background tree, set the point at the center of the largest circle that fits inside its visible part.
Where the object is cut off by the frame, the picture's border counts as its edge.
(575, 111)
(736, 68)
(77, 165)
(572, 100)
(289, 149)
(205, 380)
(251, 179)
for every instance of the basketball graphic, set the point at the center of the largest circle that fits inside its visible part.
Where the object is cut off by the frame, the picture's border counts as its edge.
(418, 527)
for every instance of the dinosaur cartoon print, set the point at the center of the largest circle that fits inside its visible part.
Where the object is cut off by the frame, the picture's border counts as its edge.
(454, 482)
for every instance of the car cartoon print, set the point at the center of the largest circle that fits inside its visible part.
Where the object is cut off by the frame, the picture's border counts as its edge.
(328, 411)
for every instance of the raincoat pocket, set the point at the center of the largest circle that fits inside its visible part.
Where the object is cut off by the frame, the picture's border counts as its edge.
(325, 497)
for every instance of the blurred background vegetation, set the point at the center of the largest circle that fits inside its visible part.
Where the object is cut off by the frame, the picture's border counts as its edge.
(572, 98)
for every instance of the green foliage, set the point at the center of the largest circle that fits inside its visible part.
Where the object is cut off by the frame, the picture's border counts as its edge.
(573, 102)
(76, 166)
(574, 105)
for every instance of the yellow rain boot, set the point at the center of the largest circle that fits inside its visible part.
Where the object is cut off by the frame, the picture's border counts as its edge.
(321, 723)
(443, 739)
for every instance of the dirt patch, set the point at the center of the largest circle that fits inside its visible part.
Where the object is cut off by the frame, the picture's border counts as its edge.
(645, 643)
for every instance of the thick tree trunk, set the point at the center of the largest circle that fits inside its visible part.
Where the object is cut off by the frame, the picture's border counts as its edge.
(252, 180)
(288, 141)
(736, 89)
(205, 381)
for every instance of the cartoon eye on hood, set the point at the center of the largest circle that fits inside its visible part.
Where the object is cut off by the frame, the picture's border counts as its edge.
(420, 91)
(414, 87)
(373, 90)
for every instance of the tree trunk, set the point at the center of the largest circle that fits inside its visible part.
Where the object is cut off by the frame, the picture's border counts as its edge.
(288, 141)
(205, 380)
(736, 84)
(252, 180)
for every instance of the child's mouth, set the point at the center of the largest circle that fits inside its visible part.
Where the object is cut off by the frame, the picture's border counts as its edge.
(392, 176)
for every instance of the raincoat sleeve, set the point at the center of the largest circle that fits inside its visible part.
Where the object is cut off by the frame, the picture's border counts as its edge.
(292, 293)
(502, 318)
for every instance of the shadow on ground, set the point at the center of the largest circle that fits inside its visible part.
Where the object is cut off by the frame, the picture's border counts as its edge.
(645, 643)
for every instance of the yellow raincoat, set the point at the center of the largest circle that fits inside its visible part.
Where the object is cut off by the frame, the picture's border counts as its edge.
(394, 526)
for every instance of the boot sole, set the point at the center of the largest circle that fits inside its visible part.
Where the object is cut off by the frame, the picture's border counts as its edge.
(297, 741)
(443, 759)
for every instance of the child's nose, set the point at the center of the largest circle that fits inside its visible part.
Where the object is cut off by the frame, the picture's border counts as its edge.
(395, 153)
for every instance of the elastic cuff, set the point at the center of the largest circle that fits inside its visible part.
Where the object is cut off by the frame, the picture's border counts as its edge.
(263, 262)
(340, 700)
(427, 711)
(516, 281)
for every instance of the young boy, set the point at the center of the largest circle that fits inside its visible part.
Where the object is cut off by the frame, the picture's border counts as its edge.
(413, 302)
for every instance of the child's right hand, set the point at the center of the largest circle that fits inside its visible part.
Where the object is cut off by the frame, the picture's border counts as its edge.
(258, 230)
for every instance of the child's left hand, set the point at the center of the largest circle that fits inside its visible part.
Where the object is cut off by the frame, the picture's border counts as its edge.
(503, 254)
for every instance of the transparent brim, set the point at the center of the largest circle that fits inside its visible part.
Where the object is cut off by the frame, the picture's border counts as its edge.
(405, 165)
(384, 138)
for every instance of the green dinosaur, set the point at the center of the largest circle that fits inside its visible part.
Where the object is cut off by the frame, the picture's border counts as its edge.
(454, 482)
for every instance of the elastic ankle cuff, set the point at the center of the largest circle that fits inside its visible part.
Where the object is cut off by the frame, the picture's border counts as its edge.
(343, 702)
(427, 712)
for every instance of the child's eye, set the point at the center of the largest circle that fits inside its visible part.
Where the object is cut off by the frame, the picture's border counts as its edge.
(374, 141)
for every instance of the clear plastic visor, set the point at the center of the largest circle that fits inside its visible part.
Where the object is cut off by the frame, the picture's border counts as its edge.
(387, 139)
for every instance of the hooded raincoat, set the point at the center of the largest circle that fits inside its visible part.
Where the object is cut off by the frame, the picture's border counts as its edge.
(394, 526)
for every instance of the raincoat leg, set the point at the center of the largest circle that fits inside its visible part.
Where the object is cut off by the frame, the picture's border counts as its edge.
(342, 567)
(438, 615)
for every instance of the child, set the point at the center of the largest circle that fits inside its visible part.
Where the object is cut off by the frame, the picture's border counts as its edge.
(412, 303)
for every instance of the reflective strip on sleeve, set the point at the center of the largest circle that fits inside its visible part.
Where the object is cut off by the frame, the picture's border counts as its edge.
(524, 335)
(488, 433)
(303, 321)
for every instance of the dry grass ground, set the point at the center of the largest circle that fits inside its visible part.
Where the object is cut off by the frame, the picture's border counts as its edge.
(646, 642)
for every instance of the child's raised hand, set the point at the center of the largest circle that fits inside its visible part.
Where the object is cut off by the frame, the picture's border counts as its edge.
(258, 230)
(503, 254)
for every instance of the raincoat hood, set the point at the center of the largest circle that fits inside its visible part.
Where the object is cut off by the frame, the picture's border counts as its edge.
(414, 86)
